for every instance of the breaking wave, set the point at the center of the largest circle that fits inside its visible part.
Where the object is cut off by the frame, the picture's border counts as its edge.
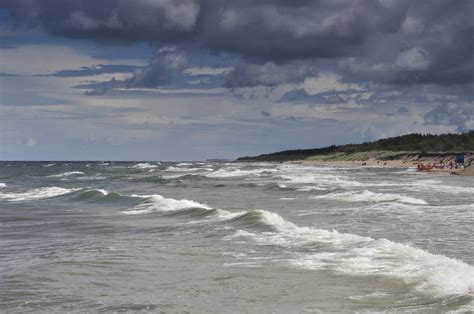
(36, 194)
(96, 195)
(334, 251)
(66, 174)
(144, 165)
(157, 203)
(179, 169)
(229, 173)
(357, 255)
(368, 196)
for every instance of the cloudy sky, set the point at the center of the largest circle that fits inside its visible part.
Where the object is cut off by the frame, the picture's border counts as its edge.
(197, 79)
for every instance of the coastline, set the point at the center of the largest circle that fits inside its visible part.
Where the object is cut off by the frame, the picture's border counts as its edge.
(405, 163)
(398, 163)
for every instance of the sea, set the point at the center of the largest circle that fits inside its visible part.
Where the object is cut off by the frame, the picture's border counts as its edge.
(227, 237)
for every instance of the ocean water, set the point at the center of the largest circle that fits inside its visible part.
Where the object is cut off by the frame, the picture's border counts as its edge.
(233, 237)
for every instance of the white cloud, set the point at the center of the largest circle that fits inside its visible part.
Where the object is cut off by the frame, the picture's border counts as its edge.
(207, 70)
(327, 81)
(47, 59)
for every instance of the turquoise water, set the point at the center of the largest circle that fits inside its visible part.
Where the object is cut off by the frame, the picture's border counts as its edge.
(230, 237)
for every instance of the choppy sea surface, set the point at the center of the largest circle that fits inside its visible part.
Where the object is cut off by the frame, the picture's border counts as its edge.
(233, 237)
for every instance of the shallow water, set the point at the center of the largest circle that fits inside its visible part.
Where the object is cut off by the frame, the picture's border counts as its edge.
(230, 237)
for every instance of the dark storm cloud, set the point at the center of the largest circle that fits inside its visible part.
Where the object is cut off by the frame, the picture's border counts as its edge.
(165, 67)
(101, 88)
(166, 64)
(108, 21)
(268, 74)
(394, 42)
(329, 97)
(96, 70)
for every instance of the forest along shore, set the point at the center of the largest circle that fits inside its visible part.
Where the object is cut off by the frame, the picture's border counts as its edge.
(393, 160)
(406, 151)
(405, 163)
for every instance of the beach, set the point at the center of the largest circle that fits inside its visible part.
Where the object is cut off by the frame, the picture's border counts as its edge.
(407, 162)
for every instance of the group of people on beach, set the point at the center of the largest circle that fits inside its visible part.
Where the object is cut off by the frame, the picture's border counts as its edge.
(440, 165)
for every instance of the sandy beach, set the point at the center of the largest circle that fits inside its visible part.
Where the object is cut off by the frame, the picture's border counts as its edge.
(397, 163)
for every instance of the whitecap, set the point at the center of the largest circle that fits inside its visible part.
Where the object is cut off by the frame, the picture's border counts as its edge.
(364, 256)
(3, 185)
(220, 215)
(144, 165)
(432, 185)
(436, 274)
(320, 179)
(183, 164)
(158, 203)
(66, 174)
(227, 173)
(368, 196)
(35, 194)
(177, 169)
(102, 191)
(308, 188)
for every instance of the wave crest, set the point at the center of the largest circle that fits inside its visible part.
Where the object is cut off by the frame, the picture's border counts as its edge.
(358, 255)
(36, 194)
(368, 196)
(157, 203)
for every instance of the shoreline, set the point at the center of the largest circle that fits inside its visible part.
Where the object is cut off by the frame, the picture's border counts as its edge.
(367, 163)
(395, 163)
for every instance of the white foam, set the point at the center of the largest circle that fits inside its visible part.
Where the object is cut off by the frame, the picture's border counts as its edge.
(308, 188)
(48, 165)
(177, 169)
(35, 194)
(220, 215)
(320, 179)
(368, 196)
(66, 174)
(138, 211)
(227, 173)
(240, 233)
(144, 165)
(157, 203)
(358, 255)
(288, 233)
(429, 185)
(182, 164)
(3, 185)
(435, 274)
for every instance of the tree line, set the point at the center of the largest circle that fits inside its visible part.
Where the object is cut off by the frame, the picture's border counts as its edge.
(415, 142)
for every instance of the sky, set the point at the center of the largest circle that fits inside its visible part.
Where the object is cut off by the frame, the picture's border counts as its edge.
(201, 79)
